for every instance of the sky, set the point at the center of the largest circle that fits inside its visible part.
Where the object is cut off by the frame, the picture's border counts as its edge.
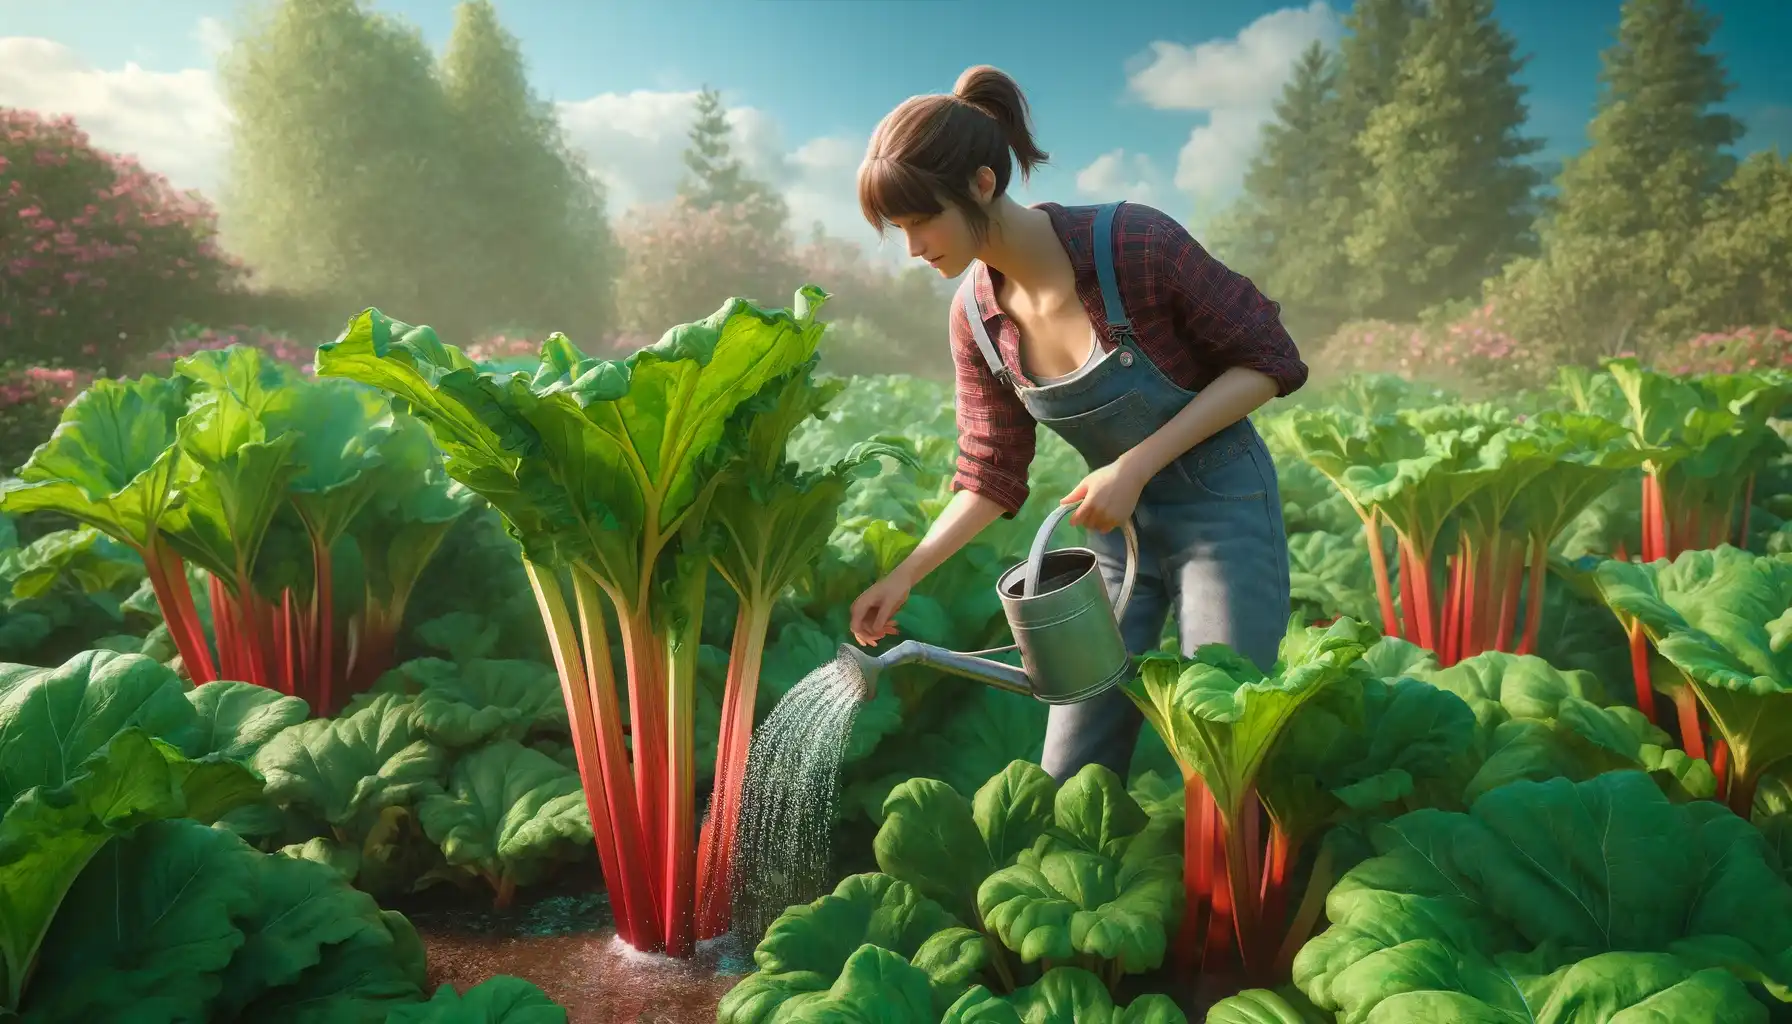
(1157, 101)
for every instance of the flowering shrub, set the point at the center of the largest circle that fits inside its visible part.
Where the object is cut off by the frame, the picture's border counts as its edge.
(682, 261)
(31, 401)
(191, 339)
(97, 256)
(1473, 353)
(1745, 348)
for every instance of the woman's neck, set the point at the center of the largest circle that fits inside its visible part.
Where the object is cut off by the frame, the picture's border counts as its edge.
(1023, 247)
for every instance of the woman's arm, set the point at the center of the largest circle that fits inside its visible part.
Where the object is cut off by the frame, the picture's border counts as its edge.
(963, 518)
(1110, 494)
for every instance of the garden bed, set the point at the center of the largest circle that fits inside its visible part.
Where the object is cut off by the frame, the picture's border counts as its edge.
(562, 939)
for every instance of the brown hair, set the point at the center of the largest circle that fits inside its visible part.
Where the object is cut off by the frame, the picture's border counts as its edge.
(930, 147)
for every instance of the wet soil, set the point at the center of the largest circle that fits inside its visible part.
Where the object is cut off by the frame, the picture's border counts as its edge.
(563, 940)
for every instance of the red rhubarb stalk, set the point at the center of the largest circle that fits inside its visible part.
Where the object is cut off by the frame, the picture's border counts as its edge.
(1306, 916)
(715, 852)
(168, 577)
(1533, 611)
(1504, 635)
(1457, 576)
(1420, 572)
(323, 625)
(1274, 897)
(1241, 884)
(1720, 766)
(1409, 604)
(1692, 729)
(1198, 849)
(644, 656)
(1384, 590)
(1639, 670)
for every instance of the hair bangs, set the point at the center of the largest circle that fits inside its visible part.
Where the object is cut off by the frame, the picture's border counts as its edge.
(890, 188)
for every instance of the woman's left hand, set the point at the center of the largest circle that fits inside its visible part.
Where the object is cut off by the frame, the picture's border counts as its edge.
(1109, 496)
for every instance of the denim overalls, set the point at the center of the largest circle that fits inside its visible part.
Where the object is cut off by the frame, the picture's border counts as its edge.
(1211, 540)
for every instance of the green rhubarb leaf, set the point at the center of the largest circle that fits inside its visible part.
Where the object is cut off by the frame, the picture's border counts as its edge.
(806, 953)
(342, 434)
(1390, 657)
(1263, 1006)
(351, 768)
(1331, 575)
(1219, 715)
(50, 833)
(509, 813)
(1059, 901)
(92, 561)
(464, 705)
(504, 999)
(238, 719)
(876, 986)
(303, 909)
(112, 462)
(1721, 617)
(344, 860)
(945, 845)
(1512, 906)
(1065, 995)
(53, 719)
(147, 929)
(360, 980)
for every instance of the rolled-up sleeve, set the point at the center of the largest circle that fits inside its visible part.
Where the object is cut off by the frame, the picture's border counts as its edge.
(996, 433)
(1221, 313)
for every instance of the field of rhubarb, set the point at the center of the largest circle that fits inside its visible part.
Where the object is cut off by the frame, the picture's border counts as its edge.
(302, 672)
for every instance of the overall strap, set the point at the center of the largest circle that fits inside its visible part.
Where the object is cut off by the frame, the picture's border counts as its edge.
(1118, 325)
(967, 294)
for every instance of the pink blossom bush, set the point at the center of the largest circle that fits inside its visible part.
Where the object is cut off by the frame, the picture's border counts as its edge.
(193, 339)
(1735, 351)
(98, 257)
(681, 262)
(31, 401)
(1473, 353)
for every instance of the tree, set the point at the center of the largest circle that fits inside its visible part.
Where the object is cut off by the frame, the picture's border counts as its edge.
(717, 177)
(535, 241)
(682, 261)
(1734, 272)
(1271, 233)
(343, 174)
(1446, 198)
(1630, 205)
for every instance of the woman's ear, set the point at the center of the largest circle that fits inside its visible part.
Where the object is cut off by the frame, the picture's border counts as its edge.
(983, 184)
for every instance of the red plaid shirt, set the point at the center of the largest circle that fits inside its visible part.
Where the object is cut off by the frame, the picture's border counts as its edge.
(1194, 318)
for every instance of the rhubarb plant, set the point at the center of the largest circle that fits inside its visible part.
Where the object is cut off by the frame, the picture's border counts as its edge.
(775, 518)
(603, 470)
(1220, 716)
(1721, 618)
(1547, 896)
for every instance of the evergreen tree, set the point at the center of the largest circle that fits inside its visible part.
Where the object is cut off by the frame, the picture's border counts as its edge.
(1272, 232)
(1630, 205)
(1447, 196)
(716, 176)
(535, 242)
(342, 175)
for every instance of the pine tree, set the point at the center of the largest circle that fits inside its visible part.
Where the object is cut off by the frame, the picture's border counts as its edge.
(342, 177)
(1447, 196)
(1630, 205)
(536, 244)
(716, 176)
(1271, 232)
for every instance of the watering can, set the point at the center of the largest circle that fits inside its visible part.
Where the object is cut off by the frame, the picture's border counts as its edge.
(1057, 607)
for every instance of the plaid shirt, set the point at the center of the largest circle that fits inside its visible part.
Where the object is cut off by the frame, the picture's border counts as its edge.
(1194, 319)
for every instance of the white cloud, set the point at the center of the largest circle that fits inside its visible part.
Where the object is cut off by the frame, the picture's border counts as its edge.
(172, 122)
(1235, 82)
(1118, 175)
(213, 37)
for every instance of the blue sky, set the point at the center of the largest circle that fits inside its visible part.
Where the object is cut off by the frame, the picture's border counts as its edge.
(1120, 89)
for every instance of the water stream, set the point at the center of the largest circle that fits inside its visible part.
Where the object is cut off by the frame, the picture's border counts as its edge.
(783, 847)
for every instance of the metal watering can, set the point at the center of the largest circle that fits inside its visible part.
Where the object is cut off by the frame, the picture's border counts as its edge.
(1057, 608)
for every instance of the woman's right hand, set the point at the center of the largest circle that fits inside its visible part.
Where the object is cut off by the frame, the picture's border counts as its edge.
(874, 613)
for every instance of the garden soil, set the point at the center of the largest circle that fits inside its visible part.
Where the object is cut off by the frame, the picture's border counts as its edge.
(565, 943)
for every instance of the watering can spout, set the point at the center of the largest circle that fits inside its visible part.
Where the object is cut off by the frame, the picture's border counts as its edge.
(913, 652)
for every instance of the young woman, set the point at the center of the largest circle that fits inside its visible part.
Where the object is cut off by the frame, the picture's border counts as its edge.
(1151, 384)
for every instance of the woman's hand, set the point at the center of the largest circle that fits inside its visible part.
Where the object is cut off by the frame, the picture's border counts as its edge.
(1109, 495)
(874, 612)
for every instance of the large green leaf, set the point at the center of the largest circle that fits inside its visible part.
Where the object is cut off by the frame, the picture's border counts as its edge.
(463, 705)
(508, 814)
(346, 770)
(237, 719)
(1510, 907)
(806, 959)
(53, 719)
(112, 462)
(1062, 995)
(504, 999)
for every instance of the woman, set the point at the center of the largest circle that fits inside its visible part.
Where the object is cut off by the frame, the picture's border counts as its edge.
(1152, 385)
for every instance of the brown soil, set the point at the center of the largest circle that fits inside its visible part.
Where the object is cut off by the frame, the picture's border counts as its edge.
(564, 943)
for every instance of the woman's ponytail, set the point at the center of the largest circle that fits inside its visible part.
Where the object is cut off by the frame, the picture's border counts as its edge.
(991, 91)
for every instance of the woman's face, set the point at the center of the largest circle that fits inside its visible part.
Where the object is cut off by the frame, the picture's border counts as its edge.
(942, 239)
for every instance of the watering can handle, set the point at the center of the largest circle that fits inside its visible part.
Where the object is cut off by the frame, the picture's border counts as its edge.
(1036, 556)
